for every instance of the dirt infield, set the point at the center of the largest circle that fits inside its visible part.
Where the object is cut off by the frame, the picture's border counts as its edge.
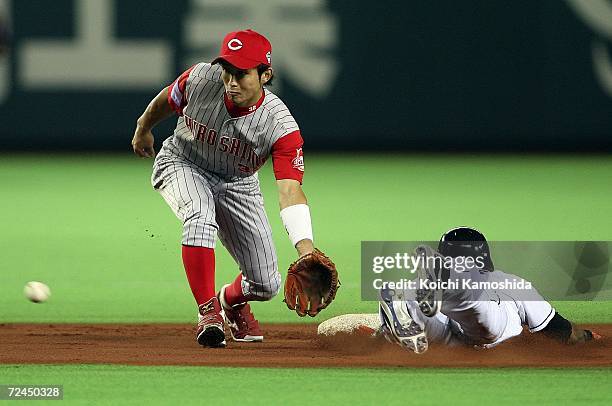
(284, 346)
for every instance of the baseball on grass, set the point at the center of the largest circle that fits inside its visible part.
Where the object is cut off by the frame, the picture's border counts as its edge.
(36, 292)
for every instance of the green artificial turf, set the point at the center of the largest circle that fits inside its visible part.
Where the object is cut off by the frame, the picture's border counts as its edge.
(92, 228)
(107, 384)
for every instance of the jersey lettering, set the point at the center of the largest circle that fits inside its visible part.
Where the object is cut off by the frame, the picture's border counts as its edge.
(253, 134)
(201, 133)
(223, 147)
(235, 146)
(212, 137)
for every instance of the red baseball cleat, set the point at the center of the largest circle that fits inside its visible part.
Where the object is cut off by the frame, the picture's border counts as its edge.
(242, 324)
(210, 327)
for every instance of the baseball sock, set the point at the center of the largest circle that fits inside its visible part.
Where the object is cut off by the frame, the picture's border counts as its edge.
(199, 263)
(233, 292)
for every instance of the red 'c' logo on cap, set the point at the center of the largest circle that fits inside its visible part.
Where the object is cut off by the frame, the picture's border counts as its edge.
(234, 44)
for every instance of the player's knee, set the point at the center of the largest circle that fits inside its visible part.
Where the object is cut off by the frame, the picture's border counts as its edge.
(264, 291)
(275, 286)
(267, 293)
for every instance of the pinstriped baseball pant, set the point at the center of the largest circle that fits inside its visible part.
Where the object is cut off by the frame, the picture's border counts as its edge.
(211, 206)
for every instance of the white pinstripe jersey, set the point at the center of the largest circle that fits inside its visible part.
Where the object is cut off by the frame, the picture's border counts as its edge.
(235, 142)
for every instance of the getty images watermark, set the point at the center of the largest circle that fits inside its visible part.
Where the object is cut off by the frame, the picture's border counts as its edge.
(411, 262)
(519, 270)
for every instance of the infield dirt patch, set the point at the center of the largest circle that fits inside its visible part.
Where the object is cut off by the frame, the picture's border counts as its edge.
(285, 345)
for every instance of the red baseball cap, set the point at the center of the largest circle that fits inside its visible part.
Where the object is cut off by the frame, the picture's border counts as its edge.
(245, 49)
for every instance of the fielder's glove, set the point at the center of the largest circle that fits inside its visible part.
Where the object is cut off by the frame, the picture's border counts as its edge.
(311, 284)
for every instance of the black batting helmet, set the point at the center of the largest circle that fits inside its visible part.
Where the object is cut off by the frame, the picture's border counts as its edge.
(466, 242)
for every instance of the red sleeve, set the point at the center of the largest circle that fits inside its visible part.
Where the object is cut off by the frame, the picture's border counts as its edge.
(287, 158)
(177, 95)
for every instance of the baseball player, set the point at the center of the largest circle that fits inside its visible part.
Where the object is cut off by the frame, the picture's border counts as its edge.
(477, 317)
(228, 125)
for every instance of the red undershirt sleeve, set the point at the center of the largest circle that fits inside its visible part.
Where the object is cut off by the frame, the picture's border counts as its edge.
(287, 158)
(177, 92)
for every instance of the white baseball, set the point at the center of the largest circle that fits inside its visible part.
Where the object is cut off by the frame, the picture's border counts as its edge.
(36, 292)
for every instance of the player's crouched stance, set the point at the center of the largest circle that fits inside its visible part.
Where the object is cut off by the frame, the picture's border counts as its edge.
(229, 124)
(473, 317)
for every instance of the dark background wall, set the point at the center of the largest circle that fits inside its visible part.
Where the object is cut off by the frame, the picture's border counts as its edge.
(419, 75)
